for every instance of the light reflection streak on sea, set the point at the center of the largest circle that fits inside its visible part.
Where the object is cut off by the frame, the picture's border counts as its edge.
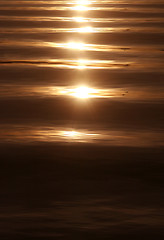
(84, 7)
(81, 46)
(86, 64)
(82, 30)
(33, 134)
(81, 91)
(83, 19)
(23, 91)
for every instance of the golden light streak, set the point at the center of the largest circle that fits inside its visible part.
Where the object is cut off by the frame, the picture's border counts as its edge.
(82, 64)
(30, 134)
(81, 6)
(70, 45)
(83, 92)
(75, 45)
(78, 135)
(83, 2)
(85, 30)
(80, 19)
(70, 134)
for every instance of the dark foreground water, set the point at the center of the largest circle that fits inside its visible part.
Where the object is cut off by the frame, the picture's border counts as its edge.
(81, 120)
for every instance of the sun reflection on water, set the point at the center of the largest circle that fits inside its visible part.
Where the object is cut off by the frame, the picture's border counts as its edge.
(83, 2)
(87, 29)
(84, 92)
(81, 92)
(49, 134)
(82, 64)
(76, 45)
(80, 8)
(82, 136)
(80, 19)
(69, 133)
(81, 5)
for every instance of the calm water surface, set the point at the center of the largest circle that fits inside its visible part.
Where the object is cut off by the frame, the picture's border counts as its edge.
(81, 119)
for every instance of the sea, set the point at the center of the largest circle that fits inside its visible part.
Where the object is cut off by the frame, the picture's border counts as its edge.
(81, 119)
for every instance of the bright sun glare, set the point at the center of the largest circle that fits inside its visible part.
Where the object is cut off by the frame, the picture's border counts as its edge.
(82, 5)
(85, 29)
(75, 45)
(70, 133)
(83, 2)
(83, 92)
(80, 19)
